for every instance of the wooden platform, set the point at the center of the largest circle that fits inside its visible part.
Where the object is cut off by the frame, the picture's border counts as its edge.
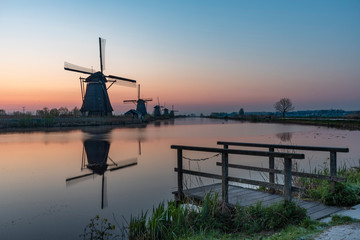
(246, 197)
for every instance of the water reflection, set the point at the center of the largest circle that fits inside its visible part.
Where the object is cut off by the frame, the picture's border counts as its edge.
(285, 136)
(95, 158)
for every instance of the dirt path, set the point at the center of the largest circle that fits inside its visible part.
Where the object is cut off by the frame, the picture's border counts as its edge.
(343, 232)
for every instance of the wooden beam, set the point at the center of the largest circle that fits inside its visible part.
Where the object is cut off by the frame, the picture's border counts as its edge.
(262, 145)
(180, 173)
(240, 152)
(277, 171)
(225, 174)
(200, 174)
(271, 167)
(287, 179)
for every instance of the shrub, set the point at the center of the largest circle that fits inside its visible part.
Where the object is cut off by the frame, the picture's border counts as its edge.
(258, 218)
(177, 220)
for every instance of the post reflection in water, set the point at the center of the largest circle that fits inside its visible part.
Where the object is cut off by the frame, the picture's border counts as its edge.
(96, 161)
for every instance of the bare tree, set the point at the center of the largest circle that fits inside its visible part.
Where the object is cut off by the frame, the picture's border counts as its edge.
(283, 106)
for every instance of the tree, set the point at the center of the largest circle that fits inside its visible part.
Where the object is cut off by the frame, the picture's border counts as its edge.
(54, 112)
(283, 106)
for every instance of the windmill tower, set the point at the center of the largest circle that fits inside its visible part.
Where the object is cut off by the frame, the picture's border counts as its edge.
(95, 100)
(172, 112)
(166, 110)
(141, 103)
(157, 109)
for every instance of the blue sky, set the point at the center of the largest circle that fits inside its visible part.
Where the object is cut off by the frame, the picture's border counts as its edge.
(200, 56)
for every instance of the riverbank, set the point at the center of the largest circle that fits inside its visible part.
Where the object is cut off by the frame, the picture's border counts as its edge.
(30, 124)
(345, 124)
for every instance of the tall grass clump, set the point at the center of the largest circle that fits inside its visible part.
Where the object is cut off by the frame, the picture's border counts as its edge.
(259, 218)
(180, 220)
(343, 194)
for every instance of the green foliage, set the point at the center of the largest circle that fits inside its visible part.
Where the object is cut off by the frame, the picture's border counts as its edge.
(344, 194)
(258, 218)
(99, 229)
(339, 220)
(178, 221)
(306, 230)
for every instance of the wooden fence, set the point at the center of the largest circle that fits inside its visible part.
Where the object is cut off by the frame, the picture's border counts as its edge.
(286, 187)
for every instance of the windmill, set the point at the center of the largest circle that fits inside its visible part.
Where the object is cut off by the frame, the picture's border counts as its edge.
(95, 157)
(95, 98)
(172, 112)
(157, 109)
(141, 103)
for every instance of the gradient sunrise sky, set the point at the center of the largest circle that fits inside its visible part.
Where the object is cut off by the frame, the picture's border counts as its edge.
(201, 56)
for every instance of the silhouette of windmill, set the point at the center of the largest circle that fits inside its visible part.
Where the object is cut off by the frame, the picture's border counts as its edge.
(141, 103)
(172, 112)
(95, 100)
(157, 109)
(95, 158)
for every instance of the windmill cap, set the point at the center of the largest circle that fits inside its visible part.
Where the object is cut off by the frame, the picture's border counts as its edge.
(96, 77)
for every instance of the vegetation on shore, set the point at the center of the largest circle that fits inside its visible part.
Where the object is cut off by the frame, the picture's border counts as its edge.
(101, 229)
(346, 194)
(176, 221)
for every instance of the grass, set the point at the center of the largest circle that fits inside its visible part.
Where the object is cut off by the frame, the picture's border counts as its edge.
(163, 226)
(176, 221)
(344, 194)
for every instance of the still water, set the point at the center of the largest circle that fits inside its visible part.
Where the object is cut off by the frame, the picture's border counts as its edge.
(53, 183)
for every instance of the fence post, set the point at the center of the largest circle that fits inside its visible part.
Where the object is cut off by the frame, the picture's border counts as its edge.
(225, 174)
(287, 179)
(333, 170)
(180, 174)
(271, 167)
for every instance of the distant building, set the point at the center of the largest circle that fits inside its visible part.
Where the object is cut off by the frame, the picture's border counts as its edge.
(133, 114)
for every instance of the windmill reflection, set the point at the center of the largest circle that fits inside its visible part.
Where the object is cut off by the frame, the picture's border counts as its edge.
(95, 157)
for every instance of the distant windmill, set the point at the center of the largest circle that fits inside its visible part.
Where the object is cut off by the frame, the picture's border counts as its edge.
(166, 110)
(172, 112)
(96, 100)
(157, 109)
(141, 103)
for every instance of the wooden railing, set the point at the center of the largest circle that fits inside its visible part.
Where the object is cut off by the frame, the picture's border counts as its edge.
(333, 160)
(225, 178)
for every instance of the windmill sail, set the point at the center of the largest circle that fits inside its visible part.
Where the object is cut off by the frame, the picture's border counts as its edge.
(76, 68)
(102, 43)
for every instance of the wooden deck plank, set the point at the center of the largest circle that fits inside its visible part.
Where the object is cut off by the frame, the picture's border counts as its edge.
(246, 197)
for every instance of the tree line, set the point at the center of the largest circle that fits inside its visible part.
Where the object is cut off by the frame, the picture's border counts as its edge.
(45, 112)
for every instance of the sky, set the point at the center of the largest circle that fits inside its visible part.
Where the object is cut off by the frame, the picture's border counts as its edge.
(200, 56)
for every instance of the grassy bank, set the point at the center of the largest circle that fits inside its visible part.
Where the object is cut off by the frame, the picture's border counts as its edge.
(177, 221)
(345, 194)
(347, 124)
(166, 224)
(31, 123)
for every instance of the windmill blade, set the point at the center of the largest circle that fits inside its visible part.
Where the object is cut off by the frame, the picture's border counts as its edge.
(102, 43)
(122, 82)
(76, 68)
(130, 101)
(125, 164)
(115, 78)
(77, 179)
(147, 99)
